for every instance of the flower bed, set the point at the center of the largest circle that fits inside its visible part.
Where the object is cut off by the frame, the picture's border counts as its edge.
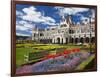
(68, 60)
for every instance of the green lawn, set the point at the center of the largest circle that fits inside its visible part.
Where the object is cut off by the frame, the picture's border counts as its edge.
(20, 52)
(24, 49)
(85, 63)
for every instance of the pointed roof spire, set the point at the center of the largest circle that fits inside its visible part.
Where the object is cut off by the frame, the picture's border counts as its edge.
(63, 18)
(69, 19)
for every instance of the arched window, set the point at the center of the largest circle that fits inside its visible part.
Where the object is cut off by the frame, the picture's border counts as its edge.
(58, 40)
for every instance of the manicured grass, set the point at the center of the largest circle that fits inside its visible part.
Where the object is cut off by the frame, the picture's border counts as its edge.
(85, 63)
(25, 49)
(20, 52)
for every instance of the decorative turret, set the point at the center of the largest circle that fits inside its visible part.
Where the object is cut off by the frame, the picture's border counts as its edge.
(69, 20)
(34, 28)
(34, 32)
(63, 22)
(63, 18)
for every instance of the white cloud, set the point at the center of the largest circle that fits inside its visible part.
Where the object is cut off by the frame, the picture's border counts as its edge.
(23, 26)
(22, 22)
(49, 23)
(29, 10)
(31, 14)
(21, 34)
(20, 27)
(70, 10)
(18, 13)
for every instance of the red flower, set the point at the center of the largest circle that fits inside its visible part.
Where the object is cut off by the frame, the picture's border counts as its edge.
(78, 49)
(73, 50)
(53, 56)
(48, 56)
(65, 52)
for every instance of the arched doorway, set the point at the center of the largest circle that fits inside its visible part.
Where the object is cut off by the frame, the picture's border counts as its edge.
(87, 39)
(62, 40)
(76, 40)
(58, 40)
(71, 40)
(93, 40)
(82, 40)
(66, 40)
(50, 40)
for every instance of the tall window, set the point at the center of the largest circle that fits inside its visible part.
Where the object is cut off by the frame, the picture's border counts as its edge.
(41, 34)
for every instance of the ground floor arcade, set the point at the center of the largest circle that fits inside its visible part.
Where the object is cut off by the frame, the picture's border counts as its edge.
(60, 40)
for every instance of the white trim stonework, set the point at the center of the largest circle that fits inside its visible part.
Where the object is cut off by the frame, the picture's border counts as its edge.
(66, 32)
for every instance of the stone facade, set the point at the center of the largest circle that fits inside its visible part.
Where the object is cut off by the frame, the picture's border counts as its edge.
(65, 32)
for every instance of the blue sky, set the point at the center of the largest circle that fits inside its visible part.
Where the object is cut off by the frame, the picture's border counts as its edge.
(45, 16)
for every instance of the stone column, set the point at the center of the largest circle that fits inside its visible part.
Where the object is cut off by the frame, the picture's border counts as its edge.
(64, 40)
(60, 40)
(53, 40)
